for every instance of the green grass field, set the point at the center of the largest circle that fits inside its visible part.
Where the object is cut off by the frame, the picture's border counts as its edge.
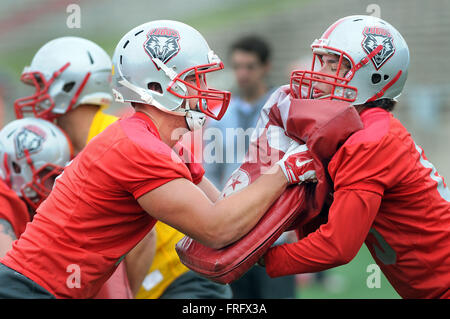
(349, 282)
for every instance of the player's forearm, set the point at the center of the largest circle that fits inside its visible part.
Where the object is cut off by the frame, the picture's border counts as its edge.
(334, 244)
(7, 237)
(185, 207)
(139, 260)
(5, 244)
(241, 211)
(209, 189)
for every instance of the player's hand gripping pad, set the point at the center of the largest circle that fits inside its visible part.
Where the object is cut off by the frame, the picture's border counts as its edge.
(323, 126)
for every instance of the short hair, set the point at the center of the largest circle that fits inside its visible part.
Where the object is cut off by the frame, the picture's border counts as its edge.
(386, 104)
(253, 44)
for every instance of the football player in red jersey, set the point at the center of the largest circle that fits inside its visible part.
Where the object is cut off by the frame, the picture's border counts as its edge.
(32, 152)
(386, 192)
(72, 81)
(129, 176)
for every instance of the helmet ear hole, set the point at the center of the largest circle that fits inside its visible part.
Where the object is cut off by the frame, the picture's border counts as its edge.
(376, 78)
(68, 86)
(386, 77)
(16, 168)
(155, 86)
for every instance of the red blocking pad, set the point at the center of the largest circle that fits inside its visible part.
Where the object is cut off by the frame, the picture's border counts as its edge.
(323, 126)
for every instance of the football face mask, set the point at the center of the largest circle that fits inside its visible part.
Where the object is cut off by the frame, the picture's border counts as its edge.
(211, 102)
(33, 153)
(317, 84)
(377, 56)
(41, 103)
(41, 184)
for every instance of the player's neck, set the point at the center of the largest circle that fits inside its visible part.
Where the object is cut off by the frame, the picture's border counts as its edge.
(77, 124)
(360, 108)
(170, 127)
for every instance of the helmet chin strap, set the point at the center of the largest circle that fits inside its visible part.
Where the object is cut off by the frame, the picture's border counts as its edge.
(195, 119)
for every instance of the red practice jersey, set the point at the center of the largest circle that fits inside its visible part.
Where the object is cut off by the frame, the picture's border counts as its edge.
(92, 219)
(388, 195)
(13, 209)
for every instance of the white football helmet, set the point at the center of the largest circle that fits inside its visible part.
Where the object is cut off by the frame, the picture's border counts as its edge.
(33, 152)
(66, 72)
(164, 52)
(378, 57)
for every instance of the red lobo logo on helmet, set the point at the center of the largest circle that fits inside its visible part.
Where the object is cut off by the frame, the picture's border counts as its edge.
(30, 138)
(373, 37)
(162, 44)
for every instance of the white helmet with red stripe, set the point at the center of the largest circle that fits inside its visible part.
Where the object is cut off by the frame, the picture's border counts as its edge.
(65, 72)
(378, 57)
(164, 53)
(33, 152)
